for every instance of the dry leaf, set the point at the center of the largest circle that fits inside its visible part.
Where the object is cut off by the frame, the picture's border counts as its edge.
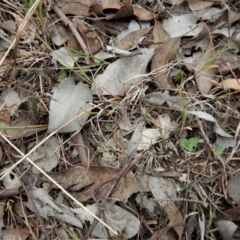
(173, 2)
(121, 220)
(183, 25)
(204, 71)
(142, 14)
(230, 83)
(125, 11)
(163, 55)
(233, 189)
(196, 5)
(84, 182)
(15, 234)
(4, 113)
(76, 8)
(69, 100)
(127, 186)
(175, 217)
(122, 74)
(159, 35)
(132, 38)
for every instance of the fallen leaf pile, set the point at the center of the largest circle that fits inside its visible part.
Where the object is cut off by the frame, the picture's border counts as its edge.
(119, 119)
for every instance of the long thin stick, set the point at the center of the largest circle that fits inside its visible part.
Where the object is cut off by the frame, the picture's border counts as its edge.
(25, 156)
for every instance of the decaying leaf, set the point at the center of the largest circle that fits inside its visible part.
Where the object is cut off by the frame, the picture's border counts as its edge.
(122, 221)
(49, 155)
(226, 229)
(76, 8)
(149, 138)
(230, 83)
(122, 74)
(159, 98)
(159, 35)
(233, 188)
(4, 113)
(65, 56)
(204, 71)
(196, 5)
(11, 181)
(141, 13)
(183, 25)
(163, 190)
(68, 101)
(132, 38)
(88, 180)
(210, 118)
(162, 56)
(15, 234)
(60, 35)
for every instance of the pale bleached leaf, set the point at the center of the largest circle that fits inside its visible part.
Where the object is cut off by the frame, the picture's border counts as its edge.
(183, 25)
(209, 117)
(68, 101)
(11, 181)
(149, 138)
(122, 74)
(51, 152)
(65, 56)
(122, 221)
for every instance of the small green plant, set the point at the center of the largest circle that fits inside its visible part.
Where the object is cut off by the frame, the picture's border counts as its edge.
(188, 144)
(218, 149)
(100, 149)
(181, 187)
(62, 76)
(108, 126)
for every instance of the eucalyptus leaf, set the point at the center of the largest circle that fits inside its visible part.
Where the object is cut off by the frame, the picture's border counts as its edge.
(69, 100)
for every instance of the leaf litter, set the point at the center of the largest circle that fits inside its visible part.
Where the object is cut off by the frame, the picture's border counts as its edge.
(106, 100)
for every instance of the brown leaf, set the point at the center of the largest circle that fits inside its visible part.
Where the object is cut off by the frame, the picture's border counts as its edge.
(162, 56)
(4, 113)
(197, 5)
(159, 35)
(127, 186)
(175, 217)
(231, 215)
(84, 181)
(233, 17)
(125, 11)
(233, 188)
(204, 72)
(141, 13)
(93, 39)
(76, 8)
(129, 40)
(230, 83)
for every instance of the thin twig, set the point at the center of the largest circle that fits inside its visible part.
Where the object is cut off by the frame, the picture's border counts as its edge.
(69, 24)
(115, 181)
(26, 156)
(28, 195)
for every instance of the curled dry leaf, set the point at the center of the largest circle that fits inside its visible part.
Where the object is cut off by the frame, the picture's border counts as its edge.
(68, 101)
